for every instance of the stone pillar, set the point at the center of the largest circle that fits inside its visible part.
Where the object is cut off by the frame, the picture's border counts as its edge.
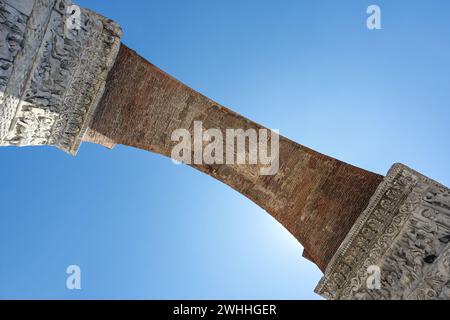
(405, 234)
(54, 59)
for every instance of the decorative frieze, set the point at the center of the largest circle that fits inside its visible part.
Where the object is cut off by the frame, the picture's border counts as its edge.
(405, 233)
(53, 66)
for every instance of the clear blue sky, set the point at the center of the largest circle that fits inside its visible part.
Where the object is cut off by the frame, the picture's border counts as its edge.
(141, 227)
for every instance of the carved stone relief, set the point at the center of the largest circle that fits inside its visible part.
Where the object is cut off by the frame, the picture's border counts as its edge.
(405, 231)
(52, 75)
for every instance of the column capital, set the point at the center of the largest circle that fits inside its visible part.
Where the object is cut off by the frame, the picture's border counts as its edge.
(405, 232)
(53, 69)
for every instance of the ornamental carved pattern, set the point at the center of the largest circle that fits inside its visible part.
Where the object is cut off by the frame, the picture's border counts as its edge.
(405, 231)
(52, 76)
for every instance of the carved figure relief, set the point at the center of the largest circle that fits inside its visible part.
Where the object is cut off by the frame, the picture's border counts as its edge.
(406, 232)
(67, 70)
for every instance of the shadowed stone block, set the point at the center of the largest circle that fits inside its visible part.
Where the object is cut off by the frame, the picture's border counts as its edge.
(405, 231)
